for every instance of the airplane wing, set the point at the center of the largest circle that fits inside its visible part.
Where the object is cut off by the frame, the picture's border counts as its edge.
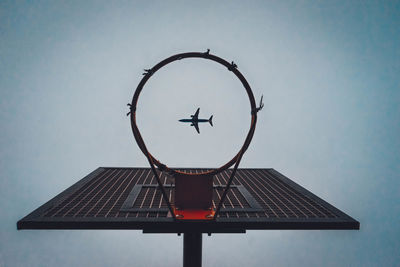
(196, 115)
(196, 125)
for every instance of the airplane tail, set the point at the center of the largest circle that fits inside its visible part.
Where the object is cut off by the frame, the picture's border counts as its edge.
(210, 120)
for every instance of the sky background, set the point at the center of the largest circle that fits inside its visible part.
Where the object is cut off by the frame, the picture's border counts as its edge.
(329, 72)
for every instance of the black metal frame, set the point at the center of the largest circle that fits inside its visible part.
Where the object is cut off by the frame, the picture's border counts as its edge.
(35, 220)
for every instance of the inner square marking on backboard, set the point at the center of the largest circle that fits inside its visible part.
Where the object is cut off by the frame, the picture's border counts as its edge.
(131, 205)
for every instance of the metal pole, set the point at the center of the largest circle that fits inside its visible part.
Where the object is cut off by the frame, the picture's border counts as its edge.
(192, 246)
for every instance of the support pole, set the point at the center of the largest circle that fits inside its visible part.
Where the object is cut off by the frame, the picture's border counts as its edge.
(192, 249)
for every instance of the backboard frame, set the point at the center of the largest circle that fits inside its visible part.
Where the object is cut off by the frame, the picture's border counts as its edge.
(35, 219)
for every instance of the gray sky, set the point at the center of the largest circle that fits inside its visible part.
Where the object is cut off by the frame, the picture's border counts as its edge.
(329, 73)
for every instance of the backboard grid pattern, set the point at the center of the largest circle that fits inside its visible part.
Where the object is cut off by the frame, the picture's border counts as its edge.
(128, 198)
(104, 195)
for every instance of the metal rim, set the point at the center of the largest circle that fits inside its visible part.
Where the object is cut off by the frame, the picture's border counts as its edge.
(149, 72)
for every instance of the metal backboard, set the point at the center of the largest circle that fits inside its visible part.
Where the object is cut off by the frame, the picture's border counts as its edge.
(129, 198)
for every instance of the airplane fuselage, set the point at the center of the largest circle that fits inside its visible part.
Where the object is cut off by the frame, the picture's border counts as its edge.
(192, 120)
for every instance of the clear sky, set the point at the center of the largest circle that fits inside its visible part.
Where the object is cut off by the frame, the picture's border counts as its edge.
(329, 72)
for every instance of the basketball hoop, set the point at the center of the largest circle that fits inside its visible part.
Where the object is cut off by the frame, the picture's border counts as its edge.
(179, 173)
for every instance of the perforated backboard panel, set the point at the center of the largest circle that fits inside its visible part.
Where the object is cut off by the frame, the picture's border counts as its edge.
(128, 198)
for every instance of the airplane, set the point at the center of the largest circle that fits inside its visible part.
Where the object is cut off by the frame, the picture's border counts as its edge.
(195, 120)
